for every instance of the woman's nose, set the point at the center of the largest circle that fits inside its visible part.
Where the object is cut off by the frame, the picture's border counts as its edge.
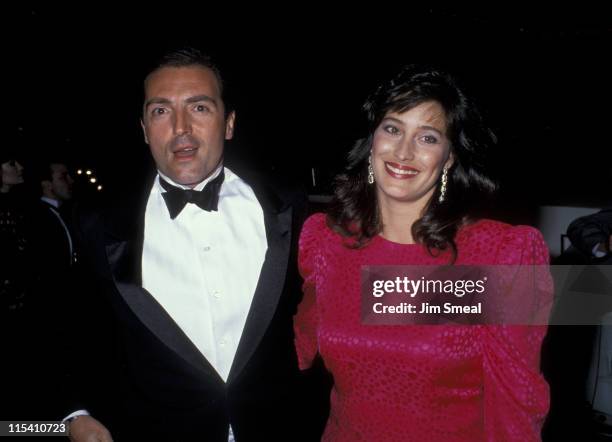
(405, 150)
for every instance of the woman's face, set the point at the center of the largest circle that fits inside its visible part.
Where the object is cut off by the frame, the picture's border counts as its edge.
(12, 173)
(409, 151)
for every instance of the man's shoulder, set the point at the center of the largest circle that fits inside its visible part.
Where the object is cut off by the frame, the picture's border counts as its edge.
(42, 210)
(117, 209)
(279, 191)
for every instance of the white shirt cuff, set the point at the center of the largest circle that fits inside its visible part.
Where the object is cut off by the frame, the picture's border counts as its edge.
(75, 414)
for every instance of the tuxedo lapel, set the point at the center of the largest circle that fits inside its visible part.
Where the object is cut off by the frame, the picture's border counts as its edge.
(271, 281)
(124, 238)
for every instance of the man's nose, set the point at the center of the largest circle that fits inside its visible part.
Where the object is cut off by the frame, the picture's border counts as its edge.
(182, 123)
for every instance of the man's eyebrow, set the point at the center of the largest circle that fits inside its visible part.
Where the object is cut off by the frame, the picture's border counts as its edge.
(199, 98)
(190, 100)
(156, 100)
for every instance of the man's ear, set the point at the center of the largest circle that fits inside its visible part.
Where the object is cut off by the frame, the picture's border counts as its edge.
(229, 125)
(144, 131)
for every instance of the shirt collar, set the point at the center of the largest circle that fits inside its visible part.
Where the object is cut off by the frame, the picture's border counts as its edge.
(51, 201)
(200, 185)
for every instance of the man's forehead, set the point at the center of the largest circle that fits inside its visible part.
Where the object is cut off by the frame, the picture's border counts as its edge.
(176, 79)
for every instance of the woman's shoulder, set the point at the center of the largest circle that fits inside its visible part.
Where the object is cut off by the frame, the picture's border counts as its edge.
(315, 226)
(497, 230)
(315, 239)
(315, 231)
(316, 221)
(318, 224)
(503, 242)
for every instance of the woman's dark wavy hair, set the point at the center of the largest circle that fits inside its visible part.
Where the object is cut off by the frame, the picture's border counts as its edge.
(354, 211)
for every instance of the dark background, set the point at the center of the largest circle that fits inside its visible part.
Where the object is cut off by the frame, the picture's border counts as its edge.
(72, 82)
(299, 75)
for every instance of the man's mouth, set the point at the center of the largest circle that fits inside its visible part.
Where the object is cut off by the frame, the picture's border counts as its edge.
(185, 152)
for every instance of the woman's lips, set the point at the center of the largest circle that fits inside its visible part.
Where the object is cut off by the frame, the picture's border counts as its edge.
(400, 171)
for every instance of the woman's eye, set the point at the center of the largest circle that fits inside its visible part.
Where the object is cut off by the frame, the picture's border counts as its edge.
(430, 139)
(391, 129)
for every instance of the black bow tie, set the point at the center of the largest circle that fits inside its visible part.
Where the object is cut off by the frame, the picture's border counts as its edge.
(207, 198)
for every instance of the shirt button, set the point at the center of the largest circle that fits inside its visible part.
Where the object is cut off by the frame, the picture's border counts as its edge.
(222, 343)
(217, 294)
(206, 248)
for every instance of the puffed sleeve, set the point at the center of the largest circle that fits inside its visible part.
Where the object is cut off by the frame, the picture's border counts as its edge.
(306, 320)
(516, 395)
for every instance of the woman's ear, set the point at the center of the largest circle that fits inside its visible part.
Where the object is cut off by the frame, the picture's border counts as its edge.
(450, 161)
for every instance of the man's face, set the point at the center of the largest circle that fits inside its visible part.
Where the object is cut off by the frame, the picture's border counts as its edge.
(61, 182)
(184, 123)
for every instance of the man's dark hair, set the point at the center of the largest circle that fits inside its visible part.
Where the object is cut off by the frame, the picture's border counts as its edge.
(41, 170)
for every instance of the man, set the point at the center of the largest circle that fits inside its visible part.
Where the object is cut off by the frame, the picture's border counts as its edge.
(201, 287)
(592, 236)
(571, 354)
(55, 242)
(50, 256)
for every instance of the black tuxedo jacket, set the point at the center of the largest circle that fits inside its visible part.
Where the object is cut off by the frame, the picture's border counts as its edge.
(52, 241)
(145, 379)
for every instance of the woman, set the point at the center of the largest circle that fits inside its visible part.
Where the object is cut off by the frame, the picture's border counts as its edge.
(410, 195)
(13, 271)
(16, 282)
(12, 174)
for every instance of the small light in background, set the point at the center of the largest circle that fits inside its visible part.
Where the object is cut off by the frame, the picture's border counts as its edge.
(88, 172)
(100, 187)
(92, 180)
(80, 172)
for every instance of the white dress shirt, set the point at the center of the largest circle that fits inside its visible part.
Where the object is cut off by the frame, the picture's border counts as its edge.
(202, 267)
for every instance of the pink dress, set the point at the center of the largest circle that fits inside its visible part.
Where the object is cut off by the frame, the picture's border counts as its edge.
(419, 383)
